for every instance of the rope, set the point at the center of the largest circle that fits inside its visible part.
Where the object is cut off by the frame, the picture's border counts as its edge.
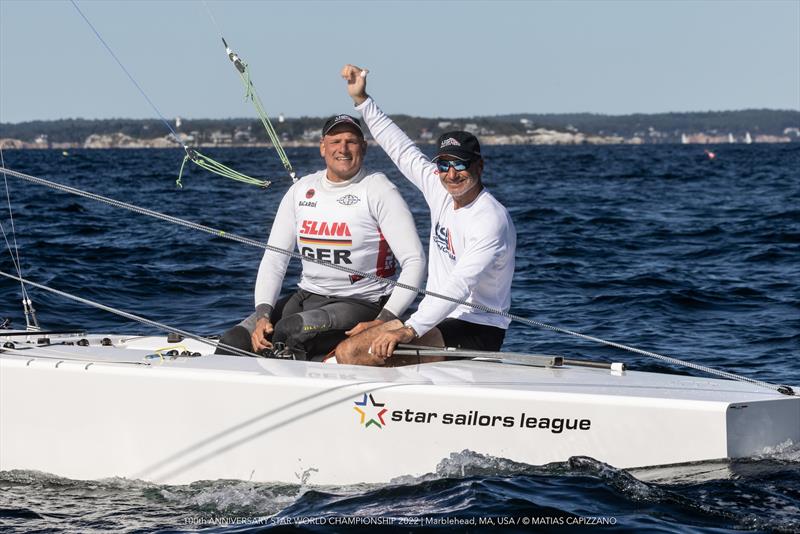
(252, 95)
(132, 316)
(210, 165)
(31, 323)
(250, 92)
(196, 157)
(530, 322)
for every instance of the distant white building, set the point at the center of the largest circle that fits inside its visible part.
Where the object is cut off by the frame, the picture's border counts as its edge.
(243, 135)
(221, 138)
(310, 135)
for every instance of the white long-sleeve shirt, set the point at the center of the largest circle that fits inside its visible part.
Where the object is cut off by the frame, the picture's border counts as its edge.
(363, 224)
(472, 248)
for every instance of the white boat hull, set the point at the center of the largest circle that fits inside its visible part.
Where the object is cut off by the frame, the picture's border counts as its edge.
(119, 411)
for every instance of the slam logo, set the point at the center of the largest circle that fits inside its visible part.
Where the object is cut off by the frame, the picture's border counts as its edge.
(370, 412)
(325, 233)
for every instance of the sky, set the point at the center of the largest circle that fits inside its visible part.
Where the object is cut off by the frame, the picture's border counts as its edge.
(426, 58)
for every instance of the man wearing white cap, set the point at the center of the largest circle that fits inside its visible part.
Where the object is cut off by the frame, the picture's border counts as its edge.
(342, 215)
(472, 243)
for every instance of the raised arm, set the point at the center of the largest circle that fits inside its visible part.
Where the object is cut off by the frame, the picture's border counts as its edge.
(356, 79)
(411, 161)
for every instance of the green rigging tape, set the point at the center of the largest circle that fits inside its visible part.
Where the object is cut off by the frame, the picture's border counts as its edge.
(216, 167)
(252, 95)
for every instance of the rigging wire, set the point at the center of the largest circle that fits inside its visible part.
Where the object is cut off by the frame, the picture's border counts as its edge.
(134, 317)
(251, 94)
(193, 155)
(213, 18)
(524, 320)
(31, 322)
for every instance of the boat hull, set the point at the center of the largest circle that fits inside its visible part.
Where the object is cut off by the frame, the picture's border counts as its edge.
(123, 411)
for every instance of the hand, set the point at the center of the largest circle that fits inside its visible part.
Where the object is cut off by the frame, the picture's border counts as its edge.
(384, 344)
(364, 325)
(356, 78)
(259, 337)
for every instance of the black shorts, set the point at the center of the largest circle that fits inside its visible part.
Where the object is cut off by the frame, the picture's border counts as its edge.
(466, 335)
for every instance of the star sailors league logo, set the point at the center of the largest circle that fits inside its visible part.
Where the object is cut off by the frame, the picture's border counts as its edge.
(370, 413)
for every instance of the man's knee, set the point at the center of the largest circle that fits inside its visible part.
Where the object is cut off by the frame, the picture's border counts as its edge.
(237, 337)
(307, 333)
(288, 329)
(298, 327)
(355, 350)
(345, 351)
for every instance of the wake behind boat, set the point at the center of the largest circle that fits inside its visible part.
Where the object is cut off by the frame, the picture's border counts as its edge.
(173, 412)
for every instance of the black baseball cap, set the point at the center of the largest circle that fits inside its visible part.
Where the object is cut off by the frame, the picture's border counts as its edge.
(460, 145)
(336, 120)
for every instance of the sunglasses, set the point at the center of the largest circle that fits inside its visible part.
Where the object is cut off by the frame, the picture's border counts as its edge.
(444, 165)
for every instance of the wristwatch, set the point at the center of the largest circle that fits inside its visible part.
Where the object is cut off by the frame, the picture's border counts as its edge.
(413, 332)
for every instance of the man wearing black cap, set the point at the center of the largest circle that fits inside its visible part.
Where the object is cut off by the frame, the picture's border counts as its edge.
(472, 243)
(342, 215)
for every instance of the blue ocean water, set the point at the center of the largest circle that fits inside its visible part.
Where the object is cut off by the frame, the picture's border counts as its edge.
(654, 246)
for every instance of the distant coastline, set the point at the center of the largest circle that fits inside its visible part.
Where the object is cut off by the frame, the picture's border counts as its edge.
(746, 126)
